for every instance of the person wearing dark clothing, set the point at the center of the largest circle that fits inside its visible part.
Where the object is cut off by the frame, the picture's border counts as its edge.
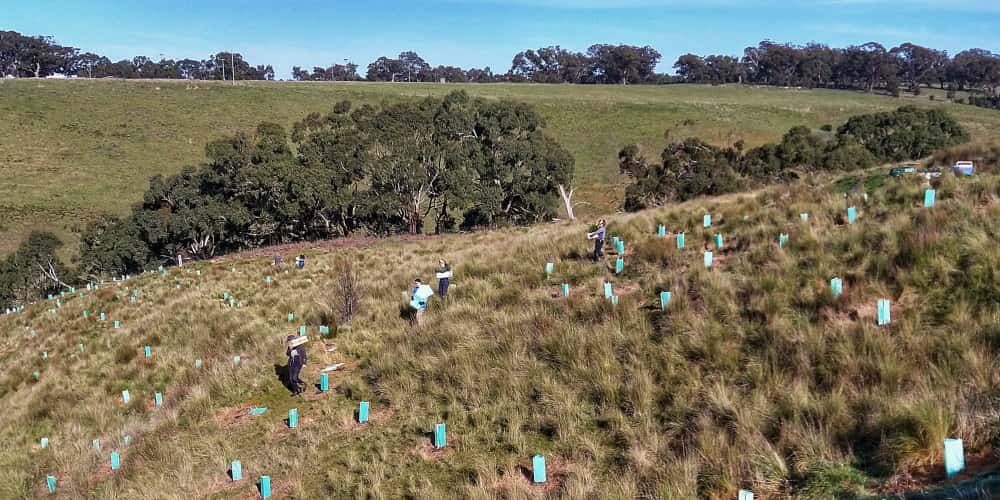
(444, 277)
(296, 360)
(598, 237)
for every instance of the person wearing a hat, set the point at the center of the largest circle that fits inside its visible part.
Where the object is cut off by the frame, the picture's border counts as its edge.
(296, 360)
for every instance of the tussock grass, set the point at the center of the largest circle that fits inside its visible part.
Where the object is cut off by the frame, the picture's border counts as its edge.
(756, 376)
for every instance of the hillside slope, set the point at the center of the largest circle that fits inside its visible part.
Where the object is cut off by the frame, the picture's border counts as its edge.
(72, 150)
(755, 376)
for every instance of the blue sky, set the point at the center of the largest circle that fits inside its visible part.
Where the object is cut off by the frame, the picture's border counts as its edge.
(487, 32)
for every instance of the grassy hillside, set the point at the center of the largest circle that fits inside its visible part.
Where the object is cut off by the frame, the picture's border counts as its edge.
(71, 150)
(754, 376)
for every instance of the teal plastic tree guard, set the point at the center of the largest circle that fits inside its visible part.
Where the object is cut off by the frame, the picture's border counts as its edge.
(440, 436)
(104, 317)
(363, 412)
(125, 396)
(680, 240)
(621, 247)
(884, 312)
(549, 267)
(118, 324)
(664, 300)
(84, 314)
(565, 289)
(116, 461)
(661, 231)
(954, 457)
(852, 215)
(225, 295)
(708, 259)
(291, 317)
(302, 329)
(293, 418)
(707, 220)
(836, 286)
(265, 486)
(96, 444)
(324, 330)
(236, 360)
(44, 442)
(148, 351)
(782, 240)
(804, 217)
(607, 290)
(744, 495)
(324, 382)
(538, 469)
(929, 196)
(236, 470)
(619, 265)
(718, 241)
(197, 363)
(614, 300)
(158, 399)
(50, 483)
(127, 440)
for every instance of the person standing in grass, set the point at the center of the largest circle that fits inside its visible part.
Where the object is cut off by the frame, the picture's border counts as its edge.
(300, 262)
(598, 237)
(296, 360)
(418, 300)
(444, 277)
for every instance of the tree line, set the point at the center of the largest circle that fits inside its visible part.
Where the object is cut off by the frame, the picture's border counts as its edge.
(40, 56)
(866, 67)
(869, 67)
(692, 167)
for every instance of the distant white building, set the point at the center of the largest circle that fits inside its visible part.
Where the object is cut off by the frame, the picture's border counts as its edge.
(56, 76)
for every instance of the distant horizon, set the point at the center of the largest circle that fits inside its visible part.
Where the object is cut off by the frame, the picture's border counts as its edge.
(482, 33)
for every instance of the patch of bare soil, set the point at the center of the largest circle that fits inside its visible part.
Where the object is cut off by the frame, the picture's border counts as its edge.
(556, 472)
(426, 450)
(351, 424)
(284, 430)
(233, 416)
(933, 476)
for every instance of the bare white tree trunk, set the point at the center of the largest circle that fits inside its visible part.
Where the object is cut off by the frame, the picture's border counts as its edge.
(567, 199)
